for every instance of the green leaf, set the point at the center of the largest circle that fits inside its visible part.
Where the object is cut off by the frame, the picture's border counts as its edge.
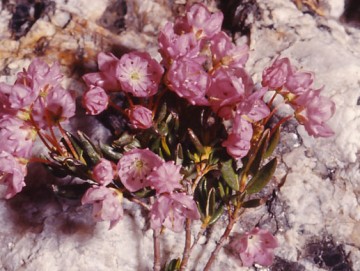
(179, 155)
(162, 113)
(196, 141)
(173, 265)
(253, 203)
(109, 152)
(210, 203)
(274, 141)
(260, 151)
(221, 190)
(229, 174)
(123, 140)
(90, 150)
(217, 214)
(261, 178)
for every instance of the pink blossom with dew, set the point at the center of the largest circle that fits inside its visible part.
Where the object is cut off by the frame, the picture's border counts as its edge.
(95, 100)
(106, 78)
(17, 137)
(140, 117)
(226, 53)
(103, 172)
(228, 87)
(173, 46)
(166, 178)
(313, 110)
(139, 74)
(171, 210)
(135, 166)
(203, 22)
(12, 174)
(106, 204)
(238, 141)
(189, 80)
(58, 106)
(256, 246)
(276, 75)
(39, 76)
(298, 83)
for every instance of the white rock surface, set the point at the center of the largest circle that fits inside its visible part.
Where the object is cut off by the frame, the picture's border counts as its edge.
(320, 197)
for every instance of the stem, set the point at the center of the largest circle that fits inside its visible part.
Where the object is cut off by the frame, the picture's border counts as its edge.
(196, 181)
(220, 244)
(116, 107)
(188, 247)
(279, 123)
(33, 123)
(68, 142)
(142, 204)
(157, 263)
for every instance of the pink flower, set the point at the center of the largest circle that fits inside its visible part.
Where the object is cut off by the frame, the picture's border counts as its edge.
(238, 142)
(57, 106)
(5, 106)
(139, 74)
(203, 22)
(275, 76)
(12, 174)
(106, 78)
(171, 210)
(226, 53)
(135, 166)
(103, 172)
(166, 178)
(140, 117)
(95, 100)
(40, 77)
(298, 83)
(22, 96)
(253, 106)
(313, 110)
(17, 137)
(228, 87)
(188, 79)
(255, 246)
(106, 204)
(173, 46)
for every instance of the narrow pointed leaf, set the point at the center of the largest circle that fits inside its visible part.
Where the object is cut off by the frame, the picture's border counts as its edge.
(229, 175)
(179, 158)
(109, 152)
(90, 149)
(210, 203)
(253, 203)
(259, 155)
(261, 178)
(217, 214)
(196, 141)
(274, 141)
(173, 265)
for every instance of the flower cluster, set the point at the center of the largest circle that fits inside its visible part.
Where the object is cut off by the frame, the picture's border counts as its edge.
(311, 109)
(192, 136)
(34, 103)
